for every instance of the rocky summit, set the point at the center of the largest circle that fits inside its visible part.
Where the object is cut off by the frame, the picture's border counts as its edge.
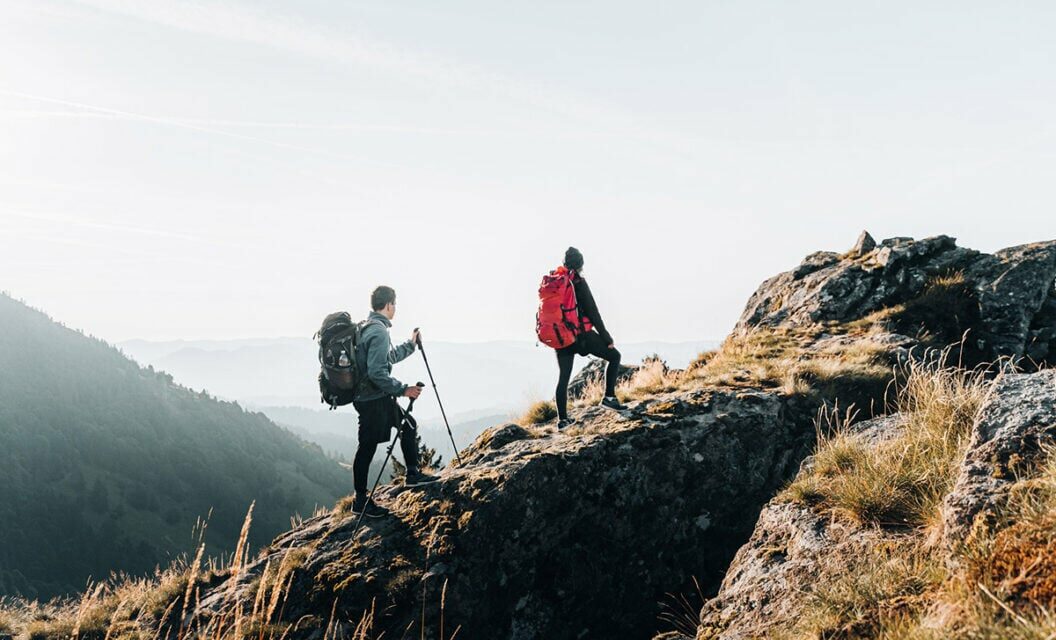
(605, 529)
(1005, 300)
(581, 533)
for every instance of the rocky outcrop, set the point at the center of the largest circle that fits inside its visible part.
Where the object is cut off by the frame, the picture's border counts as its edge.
(580, 533)
(794, 548)
(1008, 297)
(1013, 286)
(1008, 440)
(771, 575)
(545, 534)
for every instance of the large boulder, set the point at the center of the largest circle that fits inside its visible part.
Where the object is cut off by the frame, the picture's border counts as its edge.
(1009, 438)
(832, 287)
(1007, 299)
(1013, 286)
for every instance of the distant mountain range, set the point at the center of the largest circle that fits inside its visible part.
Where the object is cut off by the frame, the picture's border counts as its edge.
(106, 466)
(480, 384)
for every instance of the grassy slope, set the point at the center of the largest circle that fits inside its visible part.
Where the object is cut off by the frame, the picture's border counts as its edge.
(998, 585)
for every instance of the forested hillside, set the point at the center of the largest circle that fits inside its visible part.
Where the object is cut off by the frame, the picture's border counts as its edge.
(105, 466)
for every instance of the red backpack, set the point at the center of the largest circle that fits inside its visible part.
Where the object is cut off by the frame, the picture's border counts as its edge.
(558, 322)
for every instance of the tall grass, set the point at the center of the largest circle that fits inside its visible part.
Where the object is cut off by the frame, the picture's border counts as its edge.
(902, 480)
(168, 605)
(899, 583)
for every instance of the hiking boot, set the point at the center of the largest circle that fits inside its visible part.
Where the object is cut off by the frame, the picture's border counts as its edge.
(418, 478)
(567, 422)
(368, 508)
(612, 403)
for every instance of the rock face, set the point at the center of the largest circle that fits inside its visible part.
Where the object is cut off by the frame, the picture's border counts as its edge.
(1010, 434)
(580, 533)
(543, 534)
(770, 576)
(1012, 292)
(792, 547)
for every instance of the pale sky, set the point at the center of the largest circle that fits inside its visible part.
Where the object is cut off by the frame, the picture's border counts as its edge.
(228, 169)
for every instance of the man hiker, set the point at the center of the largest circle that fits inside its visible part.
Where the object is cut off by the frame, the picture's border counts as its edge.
(594, 340)
(376, 401)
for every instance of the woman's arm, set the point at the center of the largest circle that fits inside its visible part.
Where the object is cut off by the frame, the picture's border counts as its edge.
(589, 308)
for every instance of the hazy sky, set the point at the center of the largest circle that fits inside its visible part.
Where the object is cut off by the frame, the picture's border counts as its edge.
(238, 169)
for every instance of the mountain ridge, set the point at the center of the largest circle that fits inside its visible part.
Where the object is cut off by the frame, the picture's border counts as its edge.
(106, 466)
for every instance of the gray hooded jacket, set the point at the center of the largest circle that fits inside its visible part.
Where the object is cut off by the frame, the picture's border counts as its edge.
(375, 355)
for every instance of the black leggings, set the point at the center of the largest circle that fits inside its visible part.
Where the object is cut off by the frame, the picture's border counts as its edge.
(376, 420)
(590, 343)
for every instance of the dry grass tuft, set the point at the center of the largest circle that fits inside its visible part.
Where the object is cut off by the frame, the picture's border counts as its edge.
(592, 393)
(759, 358)
(651, 378)
(784, 360)
(539, 413)
(999, 584)
(902, 480)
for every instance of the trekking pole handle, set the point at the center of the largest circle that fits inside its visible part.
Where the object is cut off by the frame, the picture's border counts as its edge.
(419, 341)
(410, 405)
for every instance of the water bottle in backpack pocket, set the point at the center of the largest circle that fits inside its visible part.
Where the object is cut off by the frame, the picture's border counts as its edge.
(339, 377)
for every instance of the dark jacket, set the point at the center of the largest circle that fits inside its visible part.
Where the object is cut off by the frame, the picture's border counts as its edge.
(375, 355)
(588, 308)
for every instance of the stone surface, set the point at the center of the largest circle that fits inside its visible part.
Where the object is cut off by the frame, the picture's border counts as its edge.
(555, 535)
(1013, 290)
(580, 534)
(1013, 285)
(793, 548)
(828, 287)
(864, 245)
(771, 575)
(1013, 426)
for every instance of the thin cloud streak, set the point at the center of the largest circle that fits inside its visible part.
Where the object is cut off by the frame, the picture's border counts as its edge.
(193, 127)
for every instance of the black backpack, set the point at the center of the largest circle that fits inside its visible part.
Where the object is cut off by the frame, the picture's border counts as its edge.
(339, 378)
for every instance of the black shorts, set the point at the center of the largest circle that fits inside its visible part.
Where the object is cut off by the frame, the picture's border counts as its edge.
(377, 418)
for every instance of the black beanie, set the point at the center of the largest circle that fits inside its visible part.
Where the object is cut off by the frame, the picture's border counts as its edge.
(573, 259)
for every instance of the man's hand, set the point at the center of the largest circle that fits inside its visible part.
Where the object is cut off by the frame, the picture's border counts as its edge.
(416, 336)
(413, 392)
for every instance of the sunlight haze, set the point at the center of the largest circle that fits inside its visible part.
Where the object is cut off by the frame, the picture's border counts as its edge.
(219, 170)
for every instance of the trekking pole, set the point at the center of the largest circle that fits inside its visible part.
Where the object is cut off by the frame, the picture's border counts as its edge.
(437, 394)
(388, 454)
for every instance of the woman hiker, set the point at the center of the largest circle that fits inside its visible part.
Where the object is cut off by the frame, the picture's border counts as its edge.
(595, 342)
